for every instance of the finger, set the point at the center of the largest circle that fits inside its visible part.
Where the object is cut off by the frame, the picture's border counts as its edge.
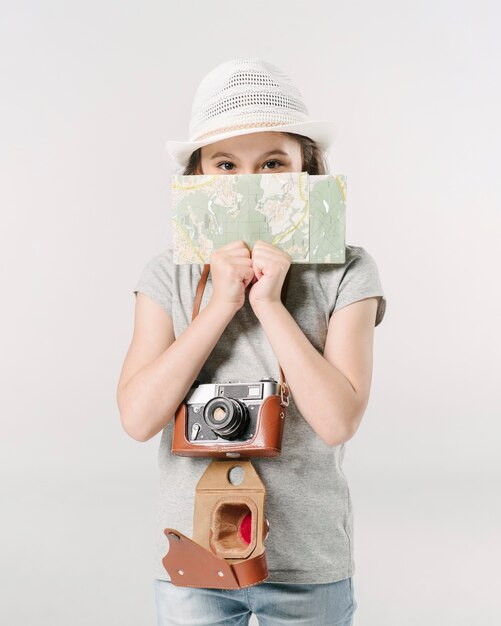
(248, 277)
(243, 252)
(236, 271)
(234, 260)
(253, 280)
(257, 271)
(265, 248)
(234, 244)
(250, 280)
(237, 260)
(271, 257)
(261, 242)
(236, 254)
(266, 245)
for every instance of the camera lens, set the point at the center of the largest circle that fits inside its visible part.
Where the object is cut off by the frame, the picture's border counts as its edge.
(228, 417)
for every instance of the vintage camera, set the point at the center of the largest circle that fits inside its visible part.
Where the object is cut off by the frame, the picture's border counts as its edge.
(232, 419)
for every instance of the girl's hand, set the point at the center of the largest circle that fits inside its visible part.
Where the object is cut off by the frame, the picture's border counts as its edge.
(231, 270)
(270, 266)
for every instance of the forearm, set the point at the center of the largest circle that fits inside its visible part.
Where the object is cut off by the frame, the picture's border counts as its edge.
(151, 396)
(322, 393)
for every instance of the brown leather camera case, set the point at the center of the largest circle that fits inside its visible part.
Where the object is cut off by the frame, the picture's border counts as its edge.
(218, 556)
(267, 441)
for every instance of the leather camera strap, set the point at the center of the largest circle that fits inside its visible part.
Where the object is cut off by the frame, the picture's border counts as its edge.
(196, 308)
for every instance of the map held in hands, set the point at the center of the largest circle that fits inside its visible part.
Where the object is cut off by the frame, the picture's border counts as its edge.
(301, 214)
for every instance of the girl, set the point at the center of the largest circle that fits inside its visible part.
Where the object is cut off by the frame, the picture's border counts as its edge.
(248, 118)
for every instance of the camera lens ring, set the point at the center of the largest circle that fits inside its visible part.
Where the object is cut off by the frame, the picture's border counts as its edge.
(233, 423)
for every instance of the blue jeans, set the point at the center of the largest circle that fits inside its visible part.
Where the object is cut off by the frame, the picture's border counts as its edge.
(328, 604)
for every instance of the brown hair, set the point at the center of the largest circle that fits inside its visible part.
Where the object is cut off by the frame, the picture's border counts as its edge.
(313, 160)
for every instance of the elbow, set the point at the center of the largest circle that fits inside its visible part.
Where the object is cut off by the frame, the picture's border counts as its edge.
(131, 427)
(130, 422)
(133, 431)
(347, 431)
(338, 438)
(138, 426)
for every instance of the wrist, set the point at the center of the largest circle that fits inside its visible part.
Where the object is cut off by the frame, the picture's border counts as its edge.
(262, 308)
(223, 309)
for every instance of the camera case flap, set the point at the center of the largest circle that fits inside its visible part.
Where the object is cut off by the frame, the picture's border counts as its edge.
(229, 530)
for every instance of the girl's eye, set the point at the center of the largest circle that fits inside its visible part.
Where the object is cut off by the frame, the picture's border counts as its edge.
(277, 162)
(225, 163)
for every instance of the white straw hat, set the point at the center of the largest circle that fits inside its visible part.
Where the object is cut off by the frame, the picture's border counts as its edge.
(247, 96)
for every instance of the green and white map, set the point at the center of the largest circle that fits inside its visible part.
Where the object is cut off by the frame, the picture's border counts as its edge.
(301, 214)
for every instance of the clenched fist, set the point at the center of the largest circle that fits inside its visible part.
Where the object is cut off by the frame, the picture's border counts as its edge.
(231, 270)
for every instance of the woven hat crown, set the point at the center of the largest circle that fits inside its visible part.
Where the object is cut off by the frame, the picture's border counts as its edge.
(246, 96)
(244, 93)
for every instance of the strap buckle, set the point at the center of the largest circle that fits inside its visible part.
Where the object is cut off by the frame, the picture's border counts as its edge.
(284, 394)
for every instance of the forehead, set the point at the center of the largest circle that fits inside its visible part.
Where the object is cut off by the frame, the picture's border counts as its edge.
(253, 142)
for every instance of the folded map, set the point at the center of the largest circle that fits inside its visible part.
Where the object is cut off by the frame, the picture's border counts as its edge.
(301, 214)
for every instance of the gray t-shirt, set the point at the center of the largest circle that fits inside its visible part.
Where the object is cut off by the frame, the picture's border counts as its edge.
(308, 503)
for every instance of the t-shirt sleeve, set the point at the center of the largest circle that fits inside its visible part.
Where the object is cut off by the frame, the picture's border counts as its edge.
(360, 280)
(156, 279)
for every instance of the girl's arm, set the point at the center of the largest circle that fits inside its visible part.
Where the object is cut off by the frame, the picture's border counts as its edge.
(158, 370)
(331, 391)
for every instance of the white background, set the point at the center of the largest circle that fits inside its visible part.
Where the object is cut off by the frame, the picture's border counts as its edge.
(90, 91)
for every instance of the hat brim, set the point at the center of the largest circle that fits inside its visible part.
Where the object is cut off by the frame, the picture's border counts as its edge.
(322, 132)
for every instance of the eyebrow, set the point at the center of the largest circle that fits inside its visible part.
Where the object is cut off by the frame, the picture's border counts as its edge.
(231, 156)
